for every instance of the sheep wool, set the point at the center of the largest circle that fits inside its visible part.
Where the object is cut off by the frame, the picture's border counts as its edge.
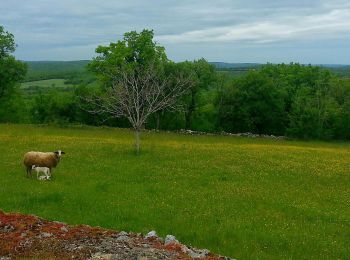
(49, 160)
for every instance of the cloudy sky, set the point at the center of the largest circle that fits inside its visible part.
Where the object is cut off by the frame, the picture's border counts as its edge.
(312, 31)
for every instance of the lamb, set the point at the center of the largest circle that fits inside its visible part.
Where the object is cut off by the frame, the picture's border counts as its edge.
(42, 178)
(49, 160)
(44, 170)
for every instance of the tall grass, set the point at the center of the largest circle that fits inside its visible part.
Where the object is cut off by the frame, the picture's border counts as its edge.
(246, 198)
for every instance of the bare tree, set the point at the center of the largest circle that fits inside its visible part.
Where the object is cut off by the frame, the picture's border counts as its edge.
(137, 93)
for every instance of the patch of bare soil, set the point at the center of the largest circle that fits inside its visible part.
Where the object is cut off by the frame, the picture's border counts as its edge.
(28, 236)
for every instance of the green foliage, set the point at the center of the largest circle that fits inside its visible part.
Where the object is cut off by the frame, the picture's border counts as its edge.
(66, 107)
(254, 104)
(205, 115)
(14, 109)
(340, 92)
(196, 108)
(54, 107)
(82, 116)
(203, 78)
(11, 72)
(294, 76)
(342, 123)
(136, 50)
(294, 100)
(7, 43)
(241, 197)
(312, 115)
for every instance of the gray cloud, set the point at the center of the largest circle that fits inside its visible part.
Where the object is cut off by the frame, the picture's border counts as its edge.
(335, 23)
(237, 31)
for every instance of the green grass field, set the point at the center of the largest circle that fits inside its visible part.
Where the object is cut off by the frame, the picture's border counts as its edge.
(31, 89)
(48, 83)
(241, 197)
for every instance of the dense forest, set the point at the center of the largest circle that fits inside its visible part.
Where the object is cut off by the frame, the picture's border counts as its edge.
(301, 101)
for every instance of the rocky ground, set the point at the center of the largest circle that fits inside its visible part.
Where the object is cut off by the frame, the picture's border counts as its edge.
(223, 133)
(28, 236)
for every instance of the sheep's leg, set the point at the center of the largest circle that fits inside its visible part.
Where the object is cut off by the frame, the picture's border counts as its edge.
(29, 171)
(47, 174)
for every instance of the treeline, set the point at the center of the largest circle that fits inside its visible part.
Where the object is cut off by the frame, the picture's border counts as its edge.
(294, 100)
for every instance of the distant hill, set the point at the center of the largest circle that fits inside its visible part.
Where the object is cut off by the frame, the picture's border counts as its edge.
(57, 64)
(225, 65)
(333, 65)
(237, 69)
(41, 70)
(339, 70)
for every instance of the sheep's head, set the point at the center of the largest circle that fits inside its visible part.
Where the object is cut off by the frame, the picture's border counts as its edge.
(33, 167)
(59, 153)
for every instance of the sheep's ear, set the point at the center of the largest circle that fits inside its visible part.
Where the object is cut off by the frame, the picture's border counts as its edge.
(63, 152)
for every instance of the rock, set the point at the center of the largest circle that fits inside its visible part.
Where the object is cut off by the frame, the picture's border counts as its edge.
(185, 249)
(45, 234)
(151, 234)
(247, 134)
(170, 239)
(123, 238)
(59, 222)
(122, 233)
(198, 253)
(64, 229)
(7, 229)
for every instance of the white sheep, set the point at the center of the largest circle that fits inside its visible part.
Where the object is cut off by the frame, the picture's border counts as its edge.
(49, 160)
(44, 170)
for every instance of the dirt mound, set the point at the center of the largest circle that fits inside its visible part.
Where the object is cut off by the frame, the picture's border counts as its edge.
(30, 236)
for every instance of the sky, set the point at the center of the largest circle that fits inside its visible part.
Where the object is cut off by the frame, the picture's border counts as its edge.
(305, 31)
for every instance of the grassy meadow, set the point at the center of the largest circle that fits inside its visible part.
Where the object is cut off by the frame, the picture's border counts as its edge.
(245, 198)
(47, 83)
(32, 88)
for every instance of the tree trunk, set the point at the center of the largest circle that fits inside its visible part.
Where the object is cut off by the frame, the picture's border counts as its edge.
(137, 141)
